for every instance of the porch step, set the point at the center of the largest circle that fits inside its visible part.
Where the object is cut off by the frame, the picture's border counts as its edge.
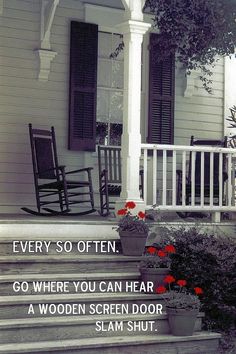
(70, 263)
(199, 343)
(90, 245)
(67, 332)
(59, 229)
(6, 281)
(16, 306)
(71, 327)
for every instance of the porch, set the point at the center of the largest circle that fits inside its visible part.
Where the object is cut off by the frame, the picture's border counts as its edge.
(170, 171)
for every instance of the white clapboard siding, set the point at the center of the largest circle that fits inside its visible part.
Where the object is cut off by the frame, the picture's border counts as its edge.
(202, 114)
(24, 99)
(202, 117)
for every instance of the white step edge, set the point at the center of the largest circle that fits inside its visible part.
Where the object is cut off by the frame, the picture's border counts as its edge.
(89, 258)
(69, 276)
(70, 320)
(57, 231)
(85, 297)
(107, 342)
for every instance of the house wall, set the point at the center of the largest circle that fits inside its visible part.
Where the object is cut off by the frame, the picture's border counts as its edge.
(201, 114)
(24, 99)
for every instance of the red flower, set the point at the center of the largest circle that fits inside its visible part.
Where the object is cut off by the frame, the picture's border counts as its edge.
(141, 215)
(170, 249)
(161, 289)
(198, 291)
(122, 212)
(169, 279)
(181, 282)
(161, 253)
(151, 250)
(130, 205)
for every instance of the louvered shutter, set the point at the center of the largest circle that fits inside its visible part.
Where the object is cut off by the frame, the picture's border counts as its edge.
(161, 96)
(83, 86)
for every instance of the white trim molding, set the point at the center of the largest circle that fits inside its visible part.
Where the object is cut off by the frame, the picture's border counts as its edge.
(133, 9)
(48, 9)
(45, 54)
(107, 18)
(45, 59)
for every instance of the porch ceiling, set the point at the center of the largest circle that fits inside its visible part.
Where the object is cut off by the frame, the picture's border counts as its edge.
(109, 3)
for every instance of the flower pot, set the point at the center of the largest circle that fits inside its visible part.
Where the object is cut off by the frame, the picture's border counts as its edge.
(154, 275)
(132, 243)
(182, 321)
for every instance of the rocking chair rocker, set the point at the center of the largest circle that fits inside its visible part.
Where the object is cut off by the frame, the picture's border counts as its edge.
(51, 184)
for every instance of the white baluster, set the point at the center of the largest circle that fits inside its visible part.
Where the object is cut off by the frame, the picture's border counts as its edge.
(183, 178)
(164, 175)
(211, 178)
(154, 177)
(202, 178)
(174, 179)
(145, 176)
(193, 161)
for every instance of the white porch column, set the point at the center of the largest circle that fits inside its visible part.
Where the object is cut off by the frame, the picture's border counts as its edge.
(133, 32)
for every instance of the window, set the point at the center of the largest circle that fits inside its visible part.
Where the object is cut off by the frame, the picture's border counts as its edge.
(109, 90)
(96, 90)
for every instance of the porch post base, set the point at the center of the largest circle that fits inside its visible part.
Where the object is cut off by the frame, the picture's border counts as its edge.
(120, 204)
(216, 216)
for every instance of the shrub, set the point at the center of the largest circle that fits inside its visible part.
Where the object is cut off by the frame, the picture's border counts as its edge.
(208, 261)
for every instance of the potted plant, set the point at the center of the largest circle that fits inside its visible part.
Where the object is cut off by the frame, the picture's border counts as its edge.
(133, 230)
(182, 305)
(155, 264)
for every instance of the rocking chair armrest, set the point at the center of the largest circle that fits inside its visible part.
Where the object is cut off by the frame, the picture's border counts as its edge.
(86, 169)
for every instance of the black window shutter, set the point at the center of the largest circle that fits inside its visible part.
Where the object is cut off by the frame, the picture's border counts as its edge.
(83, 86)
(161, 96)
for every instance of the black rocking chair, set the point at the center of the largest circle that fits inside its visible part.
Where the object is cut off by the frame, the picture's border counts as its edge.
(109, 164)
(52, 186)
(188, 188)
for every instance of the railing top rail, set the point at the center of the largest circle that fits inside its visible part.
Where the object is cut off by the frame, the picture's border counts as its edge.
(188, 148)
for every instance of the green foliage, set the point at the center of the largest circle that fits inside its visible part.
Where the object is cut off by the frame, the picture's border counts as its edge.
(208, 261)
(232, 125)
(132, 223)
(196, 31)
(182, 300)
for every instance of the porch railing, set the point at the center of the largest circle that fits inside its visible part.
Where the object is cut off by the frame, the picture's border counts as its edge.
(160, 165)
